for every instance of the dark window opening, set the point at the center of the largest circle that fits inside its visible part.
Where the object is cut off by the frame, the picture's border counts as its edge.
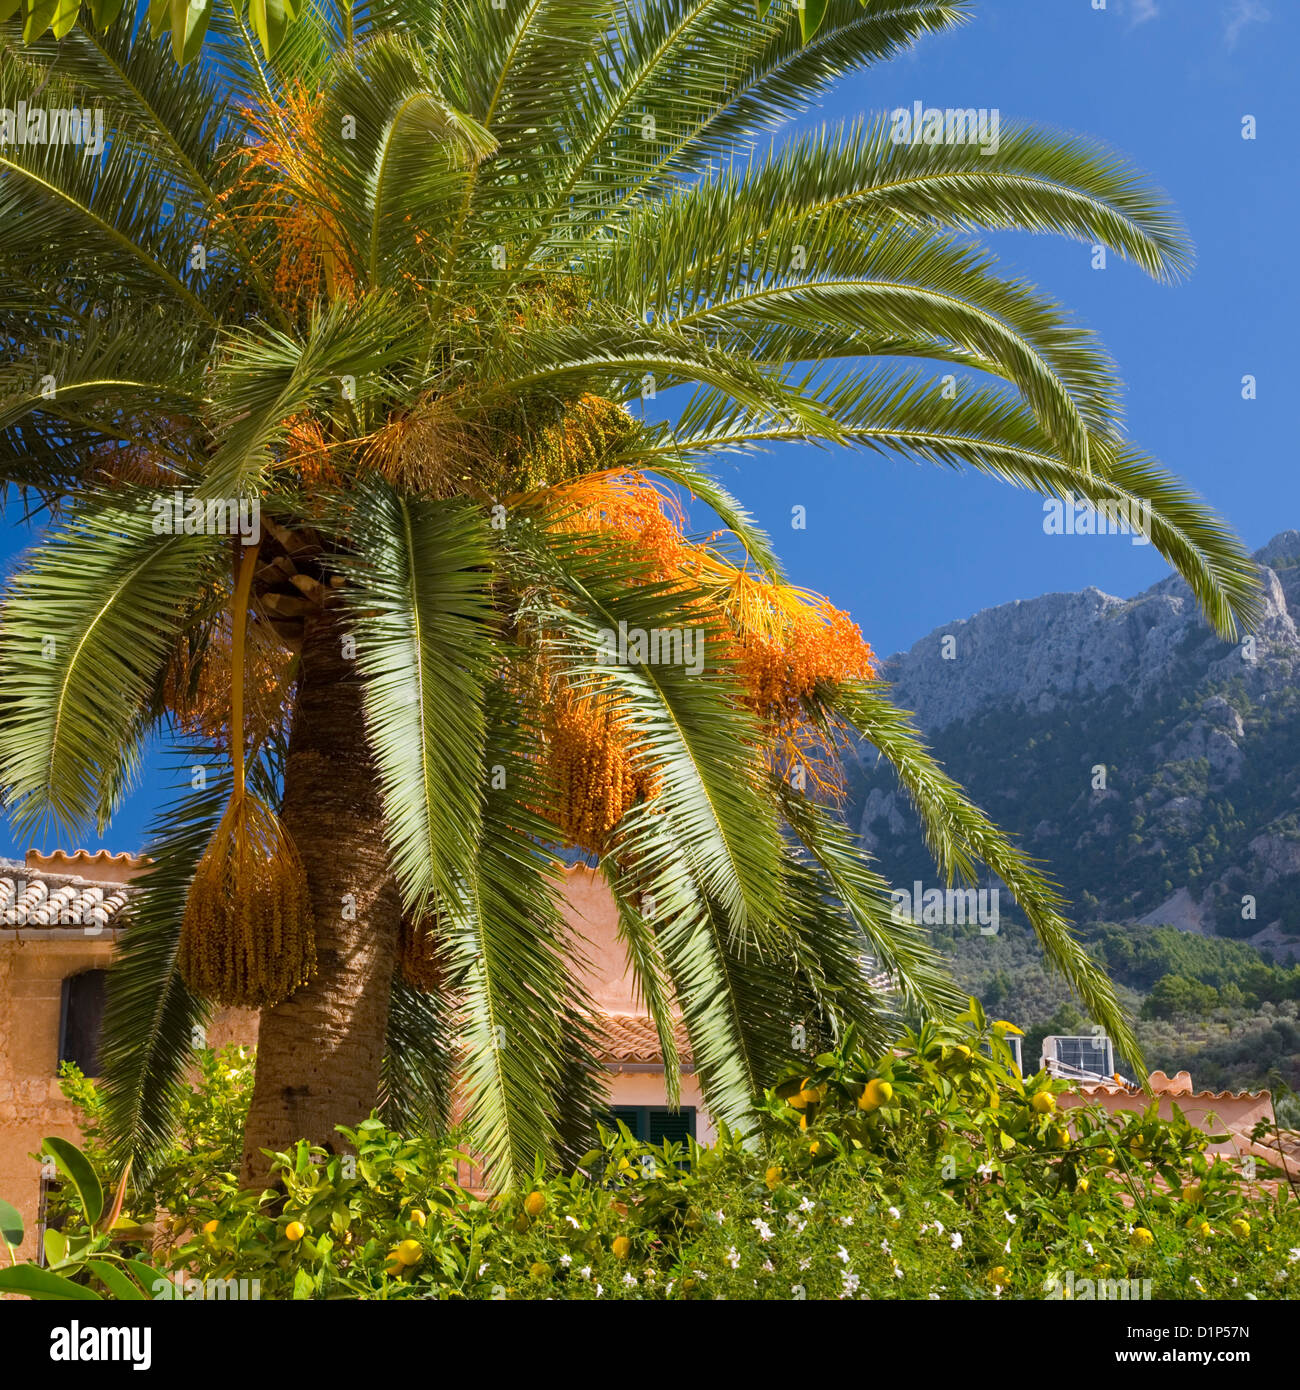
(656, 1124)
(80, 1019)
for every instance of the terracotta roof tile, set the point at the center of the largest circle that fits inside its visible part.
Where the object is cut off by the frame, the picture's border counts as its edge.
(633, 1038)
(44, 901)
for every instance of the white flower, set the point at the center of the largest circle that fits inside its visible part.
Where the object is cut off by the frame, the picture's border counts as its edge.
(807, 1204)
(650, 1275)
(1087, 1245)
(1007, 1247)
(1011, 1216)
(898, 1270)
(933, 1297)
(955, 1240)
(1294, 1254)
(573, 1221)
(763, 1229)
(566, 1260)
(884, 1245)
(894, 1214)
(985, 1170)
(718, 1217)
(850, 1282)
(585, 1272)
(768, 1267)
(481, 1268)
(1197, 1282)
(630, 1280)
(803, 1264)
(733, 1258)
(843, 1254)
(846, 1221)
(600, 1289)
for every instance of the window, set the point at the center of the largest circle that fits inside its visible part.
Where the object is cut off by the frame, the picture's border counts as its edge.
(80, 1020)
(656, 1124)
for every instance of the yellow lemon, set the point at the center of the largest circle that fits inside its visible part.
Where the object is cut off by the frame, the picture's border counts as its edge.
(393, 1263)
(1106, 1157)
(622, 1247)
(1081, 1185)
(535, 1202)
(1043, 1102)
(772, 1177)
(295, 1230)
(1060, 1137)
(1141, 1236)
(210, 1227)
(1241, 1228)
(1205, 1230)
(1192, 1193)
(875, 1094)
(419, 1218)
(963, 1050)
(409, 1252)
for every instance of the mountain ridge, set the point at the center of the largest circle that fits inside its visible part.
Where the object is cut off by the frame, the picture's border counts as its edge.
(1152, 765)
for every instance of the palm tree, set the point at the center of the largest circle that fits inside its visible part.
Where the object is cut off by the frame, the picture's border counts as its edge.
(408, 287)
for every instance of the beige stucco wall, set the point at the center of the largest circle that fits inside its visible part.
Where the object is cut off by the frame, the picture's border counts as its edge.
(31, 1104)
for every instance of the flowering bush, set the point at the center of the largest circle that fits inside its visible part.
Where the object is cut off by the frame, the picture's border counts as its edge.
(933, 1172)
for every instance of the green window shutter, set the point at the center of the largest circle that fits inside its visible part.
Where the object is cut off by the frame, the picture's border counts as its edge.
(667, 1126)
(633, 1116)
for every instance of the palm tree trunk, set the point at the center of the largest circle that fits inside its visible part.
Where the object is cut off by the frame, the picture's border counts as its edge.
(319, 1053)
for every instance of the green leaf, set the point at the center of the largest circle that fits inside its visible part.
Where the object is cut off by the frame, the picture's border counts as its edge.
(74, 1166)
(38, 19)
(8, 8)
(811, 14)
(189, 25)
(271, 18)
(160, 17)
(119, 1284)
(304, 1286)
(149, 1277)
(104, 12)
(11, 1224)
(65, 17)
(56, 1246)
(44, 1286)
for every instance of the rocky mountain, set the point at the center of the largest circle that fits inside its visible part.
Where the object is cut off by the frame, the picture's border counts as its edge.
(1154, 767)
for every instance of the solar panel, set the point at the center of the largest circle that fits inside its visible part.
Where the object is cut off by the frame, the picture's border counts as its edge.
(1092, 1054)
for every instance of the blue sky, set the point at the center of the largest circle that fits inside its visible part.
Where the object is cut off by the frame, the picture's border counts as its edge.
(1167, 82)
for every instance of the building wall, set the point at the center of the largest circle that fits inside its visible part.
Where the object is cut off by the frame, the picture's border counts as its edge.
(32, 971)
(31, 1104)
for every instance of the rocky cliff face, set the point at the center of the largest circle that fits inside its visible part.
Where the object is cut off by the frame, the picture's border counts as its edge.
(1155, 767)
